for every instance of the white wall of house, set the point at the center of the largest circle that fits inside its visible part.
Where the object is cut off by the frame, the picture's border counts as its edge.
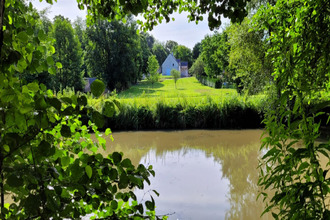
(169, 64)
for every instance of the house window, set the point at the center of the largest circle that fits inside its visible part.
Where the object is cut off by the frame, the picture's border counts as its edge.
(173, 64)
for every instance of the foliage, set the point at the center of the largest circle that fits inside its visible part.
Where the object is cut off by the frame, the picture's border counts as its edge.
(155, 11)
(300, 53)
(49, 166)
(205, 112)
(97, 87)
(153, 67)
(183, 53)
(170, 46)
(68, 53)
(198, 67)
(211, 82)
(176, 75)
(114, 53)
(215, 54)
(159, 51)
(247, 60)
(197, 49)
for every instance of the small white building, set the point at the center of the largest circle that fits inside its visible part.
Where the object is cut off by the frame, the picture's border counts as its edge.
(172, 63)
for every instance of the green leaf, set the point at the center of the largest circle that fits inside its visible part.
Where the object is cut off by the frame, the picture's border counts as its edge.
(41, 35)
(14, 181)
(55, 103)
(303, 166)
(113, 174)
(65, 161)
(97, 88)
(82, 100)
(116, 157)
(126, 163)
(89, 171)
(109, 109)
(98, 119)
(59, 65)
(66, 131)
(114, 204)
(34, 87)
(23, 37)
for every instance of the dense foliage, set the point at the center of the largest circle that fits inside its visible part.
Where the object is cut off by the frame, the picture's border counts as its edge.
(114, 53)
(183, 53)
(68, 52)
(215, 55)
(153, 66)
(300, 48)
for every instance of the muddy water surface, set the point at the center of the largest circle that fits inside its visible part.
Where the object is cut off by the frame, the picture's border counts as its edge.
(200, 174)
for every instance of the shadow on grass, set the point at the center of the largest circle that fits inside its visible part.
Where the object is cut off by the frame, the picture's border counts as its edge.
(142, 87)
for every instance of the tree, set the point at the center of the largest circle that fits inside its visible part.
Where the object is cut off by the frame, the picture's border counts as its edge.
(145, 53)
(159, 51)
(153, 67)
(114, 53)
(48, 163)
(215, 55)
(176, 75)
(170, 46)
(247, 57)
(197, 68)
(299, 49)
(68, 53)
(197, 50)
(79, 26)
(183, 53)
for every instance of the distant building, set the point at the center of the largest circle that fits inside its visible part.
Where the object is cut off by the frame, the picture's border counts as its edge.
(172, 63)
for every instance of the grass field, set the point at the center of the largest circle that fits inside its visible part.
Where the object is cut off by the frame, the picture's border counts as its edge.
(187, 87)
(188, 91)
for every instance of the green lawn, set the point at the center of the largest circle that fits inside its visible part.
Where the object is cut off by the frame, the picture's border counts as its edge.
(186, 87)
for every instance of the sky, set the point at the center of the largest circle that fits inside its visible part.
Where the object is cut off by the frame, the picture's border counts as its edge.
(184, 33)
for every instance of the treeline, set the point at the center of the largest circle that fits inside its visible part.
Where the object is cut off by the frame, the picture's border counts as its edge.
(235, 56)
(115, 52)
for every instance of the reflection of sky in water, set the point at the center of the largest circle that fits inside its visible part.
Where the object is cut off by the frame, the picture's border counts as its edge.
(189, 184)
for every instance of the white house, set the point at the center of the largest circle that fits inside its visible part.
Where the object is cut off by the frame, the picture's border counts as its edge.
(172, 63)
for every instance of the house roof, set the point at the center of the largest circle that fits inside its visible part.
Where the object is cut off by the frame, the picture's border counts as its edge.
(184, 63)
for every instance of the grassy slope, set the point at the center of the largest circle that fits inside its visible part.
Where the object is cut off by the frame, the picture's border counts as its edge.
(188, 89)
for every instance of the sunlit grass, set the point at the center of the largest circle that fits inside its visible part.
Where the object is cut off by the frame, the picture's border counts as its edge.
(186, 87)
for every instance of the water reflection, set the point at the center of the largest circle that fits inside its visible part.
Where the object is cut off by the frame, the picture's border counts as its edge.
(199, 174)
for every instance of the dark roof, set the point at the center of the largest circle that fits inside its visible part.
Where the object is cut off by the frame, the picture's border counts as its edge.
(177, 60)
(184, 63)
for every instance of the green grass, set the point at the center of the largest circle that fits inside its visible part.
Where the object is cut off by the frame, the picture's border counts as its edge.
(188, 87)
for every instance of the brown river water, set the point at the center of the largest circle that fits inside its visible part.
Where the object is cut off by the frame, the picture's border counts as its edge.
(200, 174)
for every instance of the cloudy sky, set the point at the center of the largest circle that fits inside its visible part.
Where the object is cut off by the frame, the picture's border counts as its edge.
(180, 30)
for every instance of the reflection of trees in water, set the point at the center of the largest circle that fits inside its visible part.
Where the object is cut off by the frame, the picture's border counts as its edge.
(239, 165)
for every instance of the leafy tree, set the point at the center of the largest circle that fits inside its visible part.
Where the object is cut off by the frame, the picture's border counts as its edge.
(170, 45)
(153, 67)
(300, 54)
(197, 50)
(149, 38)
(247, 57)
(68, 53)
(48, 163)
(197, 68)
(114, 53)
(159, 51)
(79, 26)
(215, 54)
(145, 53)
(176, 75)
(183, 53)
